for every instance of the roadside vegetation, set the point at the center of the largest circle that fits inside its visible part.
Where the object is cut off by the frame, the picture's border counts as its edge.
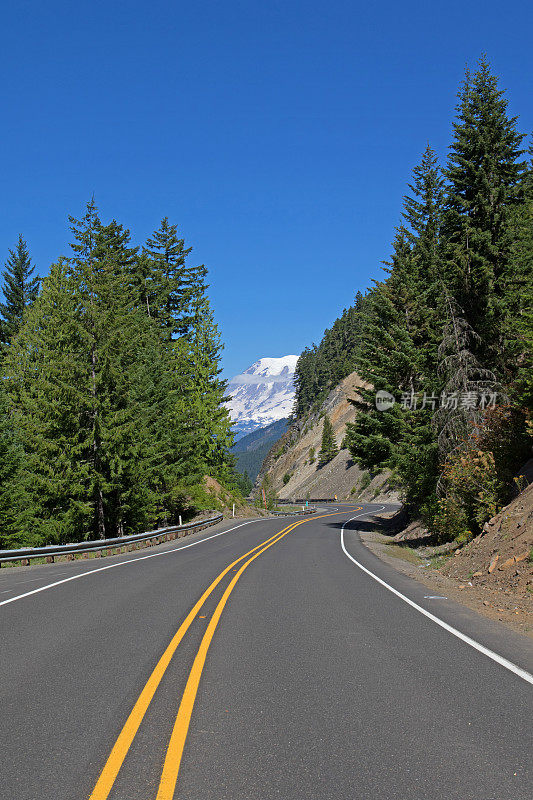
(111, 404)
(328, 448)
(448, 331)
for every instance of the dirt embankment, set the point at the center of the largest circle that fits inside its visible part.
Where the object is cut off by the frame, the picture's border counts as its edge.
(292, 464)
(492, 574)
(502, 556)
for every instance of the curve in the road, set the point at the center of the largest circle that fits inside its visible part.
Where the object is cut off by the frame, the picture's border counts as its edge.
(526, 676)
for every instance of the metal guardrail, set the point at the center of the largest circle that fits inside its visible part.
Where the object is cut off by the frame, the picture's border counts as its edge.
(314, 500)
(299, 500)
(294, 513)
(119, 544)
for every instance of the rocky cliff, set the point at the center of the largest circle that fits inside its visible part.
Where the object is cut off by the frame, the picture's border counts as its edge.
(291, 467)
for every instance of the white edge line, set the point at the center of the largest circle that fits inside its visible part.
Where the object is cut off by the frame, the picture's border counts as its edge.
(122, 563)
(526, 676)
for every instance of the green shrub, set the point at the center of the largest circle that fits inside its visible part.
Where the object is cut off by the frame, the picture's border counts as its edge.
(286, 478)
(366, 480)
(450, 522)
(471, 495)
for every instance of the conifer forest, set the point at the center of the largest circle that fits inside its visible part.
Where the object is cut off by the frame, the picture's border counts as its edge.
(446, 335)
(111, 399)
(112, 405)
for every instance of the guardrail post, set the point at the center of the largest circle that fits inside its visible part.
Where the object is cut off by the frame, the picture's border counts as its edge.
(50, 554)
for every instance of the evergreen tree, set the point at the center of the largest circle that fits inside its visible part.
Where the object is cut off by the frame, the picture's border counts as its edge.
(328, 449)
(516, 287)
(46, 383)
(89, 383)
(399, 354)
(321, 368)
(13, 500)
(169, 286)
(207, 393)
(305, 383)
(20, 290)
(246, 484)
(463, 376)
(449, 325)
(484, 175)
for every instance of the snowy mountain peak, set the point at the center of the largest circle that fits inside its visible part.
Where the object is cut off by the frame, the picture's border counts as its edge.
(267, 370)
(263, 393)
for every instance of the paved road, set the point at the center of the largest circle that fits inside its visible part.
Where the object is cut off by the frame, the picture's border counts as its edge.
(299, 677)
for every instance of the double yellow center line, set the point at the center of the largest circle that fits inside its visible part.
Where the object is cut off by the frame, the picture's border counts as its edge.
(174, 753)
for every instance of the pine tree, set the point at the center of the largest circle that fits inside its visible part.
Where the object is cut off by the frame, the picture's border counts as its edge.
(484, 175)
(462, 375)
(89, 383)
(166, 287)
(516, 288)
(328, 449)
(207, 392)
(46, 382)
(305, 383)
(246, 484)
(20, 290)
(400, 323)
(319, 369)
(13, 499)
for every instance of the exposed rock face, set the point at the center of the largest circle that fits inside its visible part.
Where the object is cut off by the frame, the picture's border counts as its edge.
(293, 455)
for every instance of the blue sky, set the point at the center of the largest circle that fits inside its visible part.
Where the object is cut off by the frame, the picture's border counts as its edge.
(278, 135)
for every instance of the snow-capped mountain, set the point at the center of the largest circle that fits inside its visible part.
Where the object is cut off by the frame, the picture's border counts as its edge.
(263, 393)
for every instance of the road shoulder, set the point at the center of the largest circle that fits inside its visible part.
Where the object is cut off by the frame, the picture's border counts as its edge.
(512, 610)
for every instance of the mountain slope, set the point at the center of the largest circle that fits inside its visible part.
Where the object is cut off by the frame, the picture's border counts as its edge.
(262, 394)
(251, 450)
(295, 454)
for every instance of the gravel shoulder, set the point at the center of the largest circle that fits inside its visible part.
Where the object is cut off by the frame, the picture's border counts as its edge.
(503, 603)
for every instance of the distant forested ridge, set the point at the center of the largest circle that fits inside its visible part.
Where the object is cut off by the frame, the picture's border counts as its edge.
(251, 450)
(111, 403)
(448, 331)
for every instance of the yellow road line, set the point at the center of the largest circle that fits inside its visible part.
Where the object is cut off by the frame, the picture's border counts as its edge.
(123, 743)
(176, 744)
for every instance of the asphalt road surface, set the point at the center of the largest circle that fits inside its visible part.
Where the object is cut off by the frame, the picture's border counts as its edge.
(272, 659)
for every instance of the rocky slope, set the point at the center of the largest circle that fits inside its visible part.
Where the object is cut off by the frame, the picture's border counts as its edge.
(296, 453)
(492, 574)
(502, 555)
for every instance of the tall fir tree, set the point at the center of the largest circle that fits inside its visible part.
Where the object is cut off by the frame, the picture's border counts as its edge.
(516, 291)
(14, 501)
(328, 448)
(214, 436)
(171, 285)
(20, 290)
(399, 354)
(484, 175)
(89, 381)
